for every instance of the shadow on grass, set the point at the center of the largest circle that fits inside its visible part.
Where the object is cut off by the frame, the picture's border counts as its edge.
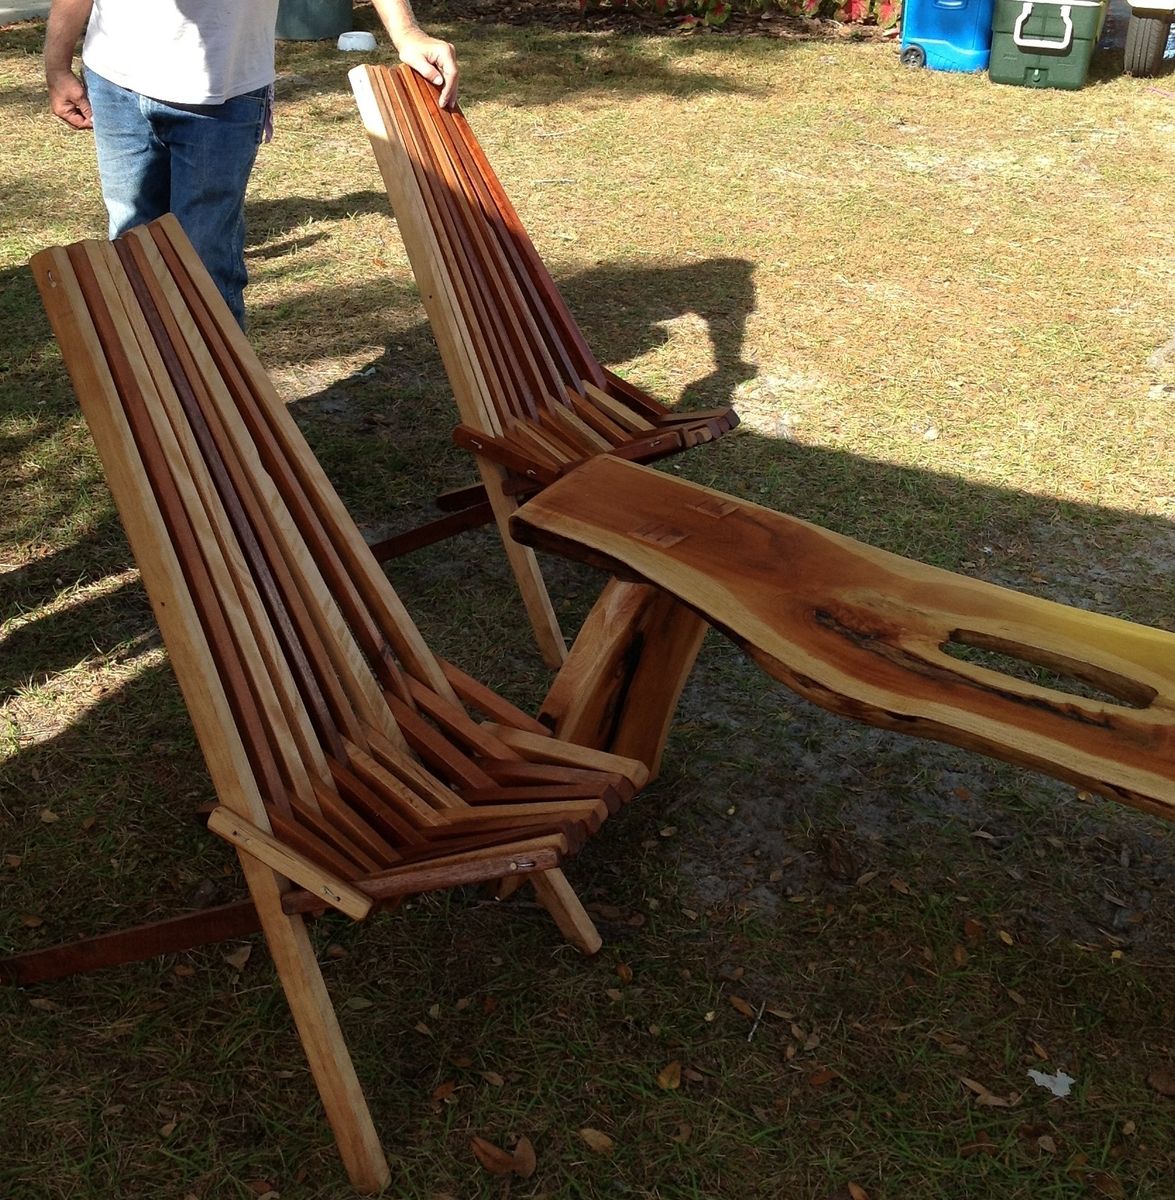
(120, 781)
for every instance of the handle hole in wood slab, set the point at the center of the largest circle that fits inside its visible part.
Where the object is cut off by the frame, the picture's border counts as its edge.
(1048, 670)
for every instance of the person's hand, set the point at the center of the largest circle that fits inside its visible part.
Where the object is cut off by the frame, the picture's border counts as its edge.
(435, 60)
(68, 101)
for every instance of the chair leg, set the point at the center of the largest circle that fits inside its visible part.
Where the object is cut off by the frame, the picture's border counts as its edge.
(621, 683)
(558, 897)
(525, 566)
(318, 1028)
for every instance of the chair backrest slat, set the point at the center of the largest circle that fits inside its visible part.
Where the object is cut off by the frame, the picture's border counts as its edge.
(302, 650)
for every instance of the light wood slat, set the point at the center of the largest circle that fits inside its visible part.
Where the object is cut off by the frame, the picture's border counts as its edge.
(302, 760)
(88, 262)
(426, 250)
(624, 416)
(558, 898)
(575, 427)
(552, 750)
(413, 805)
(349, 664)
(538, 374)
(547, 339)
(305, 651)
(507, 392)
(383, 603)
(171, 601)
(591, 415)
(487, 702)
(863, 632)
(319, 1032)
(400, 763)
(339, 581)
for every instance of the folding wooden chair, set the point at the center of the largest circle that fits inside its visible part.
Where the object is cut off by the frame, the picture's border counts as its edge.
(533, 400)
(348, 767)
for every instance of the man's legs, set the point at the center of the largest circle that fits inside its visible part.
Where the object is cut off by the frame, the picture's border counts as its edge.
(133, 164)
(213, 148)
(192, 160)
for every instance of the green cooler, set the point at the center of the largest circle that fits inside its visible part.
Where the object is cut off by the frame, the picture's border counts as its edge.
(1044, 43)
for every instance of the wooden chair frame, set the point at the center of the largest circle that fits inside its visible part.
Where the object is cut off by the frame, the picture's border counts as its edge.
(533, 400)
(352, 766)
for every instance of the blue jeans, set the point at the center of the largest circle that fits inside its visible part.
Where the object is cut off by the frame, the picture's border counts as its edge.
(190, 159)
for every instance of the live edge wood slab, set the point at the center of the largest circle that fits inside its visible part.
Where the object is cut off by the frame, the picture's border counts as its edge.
(865, 633)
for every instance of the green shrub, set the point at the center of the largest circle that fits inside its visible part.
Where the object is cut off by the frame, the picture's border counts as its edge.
(714, 12)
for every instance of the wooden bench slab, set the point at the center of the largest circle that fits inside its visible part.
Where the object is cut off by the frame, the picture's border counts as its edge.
(864, 632)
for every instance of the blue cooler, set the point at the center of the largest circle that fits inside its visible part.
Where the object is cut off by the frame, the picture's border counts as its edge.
(947, 35)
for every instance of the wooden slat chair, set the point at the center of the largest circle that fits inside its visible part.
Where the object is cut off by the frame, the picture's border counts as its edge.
(533, 400)
(348, 767)
(867, 634)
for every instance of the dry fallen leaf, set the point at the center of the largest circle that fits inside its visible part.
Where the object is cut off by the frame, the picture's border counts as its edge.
(601, 1143)
(982, 1145)
(821, 1077)
(669, 1076)
(238, 957)
(985, 1096)
(857, 1192)
(1107, 1185)
(741, 1006)
(684, 1130)
(444, 1090)
(959, 955)
(525, 1161)
(48, 816)
(494, 1159)
(493, 1078)
(624, 972)
(32, 921)
(1163, 1081)
(1006, 938)
(44, 1004)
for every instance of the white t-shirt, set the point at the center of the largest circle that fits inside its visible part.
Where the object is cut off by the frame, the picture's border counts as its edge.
(183, 51)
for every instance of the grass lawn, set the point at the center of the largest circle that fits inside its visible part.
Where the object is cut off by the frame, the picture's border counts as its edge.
(946, 313)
